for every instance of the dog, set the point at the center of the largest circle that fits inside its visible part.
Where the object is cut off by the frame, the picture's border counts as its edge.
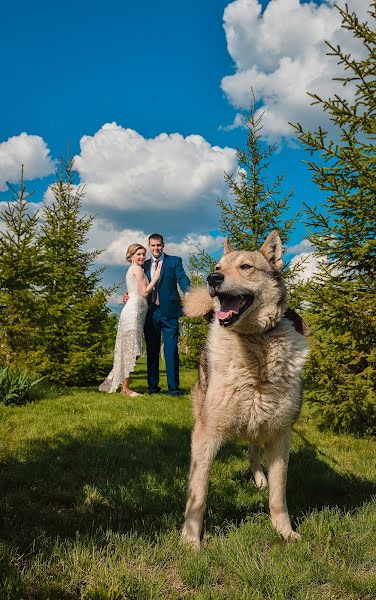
(249, 377)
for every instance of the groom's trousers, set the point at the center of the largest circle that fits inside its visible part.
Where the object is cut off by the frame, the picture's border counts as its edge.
(156, 327)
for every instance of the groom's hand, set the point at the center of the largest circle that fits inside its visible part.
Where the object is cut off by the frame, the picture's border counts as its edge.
(125, 297)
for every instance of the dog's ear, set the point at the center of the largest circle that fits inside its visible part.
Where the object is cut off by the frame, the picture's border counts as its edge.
(227, 246)
(272, 249)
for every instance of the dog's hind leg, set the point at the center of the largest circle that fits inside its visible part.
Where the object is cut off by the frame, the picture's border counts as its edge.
(256, 467)
(277, 453)
(204, 449)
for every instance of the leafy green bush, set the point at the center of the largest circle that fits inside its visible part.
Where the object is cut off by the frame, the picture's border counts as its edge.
(18, 387)
(193, 332)
(340, 374)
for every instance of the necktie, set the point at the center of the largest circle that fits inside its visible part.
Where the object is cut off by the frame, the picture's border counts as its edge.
(155, 298)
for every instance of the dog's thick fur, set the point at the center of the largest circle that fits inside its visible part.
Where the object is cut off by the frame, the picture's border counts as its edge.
(249, 377)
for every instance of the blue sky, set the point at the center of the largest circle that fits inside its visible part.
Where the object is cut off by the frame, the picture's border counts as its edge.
(162, 72)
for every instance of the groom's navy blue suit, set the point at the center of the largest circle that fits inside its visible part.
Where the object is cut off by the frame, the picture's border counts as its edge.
(162, 320)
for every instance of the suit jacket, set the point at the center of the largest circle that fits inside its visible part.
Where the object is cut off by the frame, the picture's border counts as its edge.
(172, 275)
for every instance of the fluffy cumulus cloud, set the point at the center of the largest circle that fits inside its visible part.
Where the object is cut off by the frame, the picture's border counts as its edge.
(280, 52)
(135, 177)
(309, 265)
(30, 150)
(32, 208)
(114, 242)
(192, 242)
(303, 246)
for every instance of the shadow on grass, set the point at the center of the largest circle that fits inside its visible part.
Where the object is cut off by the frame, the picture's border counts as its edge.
(137, 482)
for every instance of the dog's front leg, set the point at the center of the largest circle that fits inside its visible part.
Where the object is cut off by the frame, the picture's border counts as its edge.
(277, 453)
(204, 449)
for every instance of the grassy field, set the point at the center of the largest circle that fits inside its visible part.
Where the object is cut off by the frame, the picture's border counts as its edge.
(92, 494)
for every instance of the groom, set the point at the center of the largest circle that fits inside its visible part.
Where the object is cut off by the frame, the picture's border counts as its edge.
(163, 314)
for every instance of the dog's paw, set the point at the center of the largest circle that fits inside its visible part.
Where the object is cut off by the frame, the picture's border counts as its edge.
(290, 536)
(293, 537)
(189, 540)
(197, 302)
(260, 480)
(282, 524)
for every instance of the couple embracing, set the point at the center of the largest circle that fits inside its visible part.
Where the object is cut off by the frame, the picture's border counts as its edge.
(152, 306)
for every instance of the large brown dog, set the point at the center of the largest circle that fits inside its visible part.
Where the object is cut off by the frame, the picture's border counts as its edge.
(249, 377)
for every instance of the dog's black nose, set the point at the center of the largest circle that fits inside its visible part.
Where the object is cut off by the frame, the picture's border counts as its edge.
(215, 279)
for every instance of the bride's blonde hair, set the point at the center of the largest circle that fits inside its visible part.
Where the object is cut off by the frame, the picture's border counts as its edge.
(131, 250)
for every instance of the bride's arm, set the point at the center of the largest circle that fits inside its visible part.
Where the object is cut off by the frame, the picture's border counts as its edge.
(144, 289)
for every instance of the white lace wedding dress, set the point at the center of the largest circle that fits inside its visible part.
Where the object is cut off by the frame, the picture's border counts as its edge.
(128, 344)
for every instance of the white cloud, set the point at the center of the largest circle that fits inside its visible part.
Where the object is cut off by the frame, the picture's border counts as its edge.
(30, 150)
(303, 246)
(32, 208)
(115, 242)
(310, 265)
(116, 299)
(192, 242)
(239, 121)
(118, 242)
(136, 186)
(281, 53)
(123, 171)
(305, 257)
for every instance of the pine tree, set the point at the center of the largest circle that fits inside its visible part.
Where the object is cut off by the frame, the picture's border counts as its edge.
(342, 367)
(256, 208)
(77, 326)
(19, 278)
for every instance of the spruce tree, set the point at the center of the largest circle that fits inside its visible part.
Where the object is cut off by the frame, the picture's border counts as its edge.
(342, 367)
(77, 326)
(256, 207)
(19, 278)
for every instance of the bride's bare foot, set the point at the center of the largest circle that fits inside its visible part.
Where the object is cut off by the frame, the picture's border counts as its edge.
(129, 392)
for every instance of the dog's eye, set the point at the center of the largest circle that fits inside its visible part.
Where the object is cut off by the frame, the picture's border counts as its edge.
(246, 266)
(217, 268)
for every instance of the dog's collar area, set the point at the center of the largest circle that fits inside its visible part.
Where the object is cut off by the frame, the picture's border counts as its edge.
(299, 325)
(259, 333)
(232, 307)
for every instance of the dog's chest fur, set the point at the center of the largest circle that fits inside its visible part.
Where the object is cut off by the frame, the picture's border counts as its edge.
(254, 380)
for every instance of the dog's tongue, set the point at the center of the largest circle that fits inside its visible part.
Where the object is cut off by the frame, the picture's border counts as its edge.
(229, 306)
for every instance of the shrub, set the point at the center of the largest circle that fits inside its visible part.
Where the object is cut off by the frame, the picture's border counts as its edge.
(193, 332)
(17, 387)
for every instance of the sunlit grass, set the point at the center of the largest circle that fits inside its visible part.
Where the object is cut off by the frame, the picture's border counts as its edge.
(92, 495)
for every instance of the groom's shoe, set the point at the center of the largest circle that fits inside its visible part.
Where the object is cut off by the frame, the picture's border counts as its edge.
(175, 392)
(154, 390)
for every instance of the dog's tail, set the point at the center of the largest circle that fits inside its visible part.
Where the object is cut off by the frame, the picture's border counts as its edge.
(198, 303)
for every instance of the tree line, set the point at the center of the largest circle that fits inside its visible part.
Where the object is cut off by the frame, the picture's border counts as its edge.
(54, 317)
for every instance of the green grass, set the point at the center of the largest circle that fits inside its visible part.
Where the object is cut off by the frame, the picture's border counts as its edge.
(92, 495)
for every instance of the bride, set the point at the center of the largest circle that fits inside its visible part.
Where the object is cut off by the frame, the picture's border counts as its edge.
(128, 344)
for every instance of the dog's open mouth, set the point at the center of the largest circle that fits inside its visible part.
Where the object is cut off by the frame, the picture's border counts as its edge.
(232, 307)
